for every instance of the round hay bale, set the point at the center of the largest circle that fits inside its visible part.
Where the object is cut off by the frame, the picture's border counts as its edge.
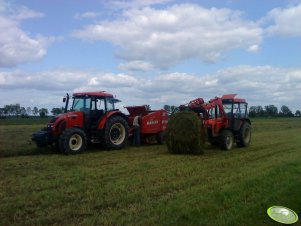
(185, 134)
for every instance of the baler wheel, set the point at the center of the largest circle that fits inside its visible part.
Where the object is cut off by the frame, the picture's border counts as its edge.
(160, 137)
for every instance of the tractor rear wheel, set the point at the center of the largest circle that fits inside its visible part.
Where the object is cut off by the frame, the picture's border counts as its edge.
(244, 135)
(73, 141)
(226, 140)
(116, 133)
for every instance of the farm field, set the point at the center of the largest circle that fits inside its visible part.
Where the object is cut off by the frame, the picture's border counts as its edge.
(148, 186)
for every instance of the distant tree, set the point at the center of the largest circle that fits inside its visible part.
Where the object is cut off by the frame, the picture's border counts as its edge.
(172, 108)
(298, 113)
(167, 108)
(35, 111)
(57, 111)
(22, 111)
(256, 111)
(43, 112)
(259, 111)
(252, 111)
(6, 110)
(13, 109)
(28, 111)
(2, 113)
(285, 111)
(147, 107)
(18, 109)
(271, 110)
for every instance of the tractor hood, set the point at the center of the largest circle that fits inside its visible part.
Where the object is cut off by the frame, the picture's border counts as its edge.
(69, 119)
(69, 115)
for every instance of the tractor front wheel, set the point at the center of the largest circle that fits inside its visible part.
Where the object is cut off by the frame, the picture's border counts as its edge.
(226, 140)
(116, 133)
(73, 141)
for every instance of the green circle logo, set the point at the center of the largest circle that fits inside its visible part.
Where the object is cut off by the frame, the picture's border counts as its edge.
(282, 214)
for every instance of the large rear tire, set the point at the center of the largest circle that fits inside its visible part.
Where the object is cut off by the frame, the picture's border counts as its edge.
(73, 141)
(244, 135)
(226, 140)
(116, 133)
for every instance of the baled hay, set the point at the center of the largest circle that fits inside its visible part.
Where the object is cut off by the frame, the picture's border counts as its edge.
(185, 134)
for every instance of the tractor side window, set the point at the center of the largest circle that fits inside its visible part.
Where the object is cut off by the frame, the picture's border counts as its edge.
(97, 109)
(228, 109)
(243, 109)
(215, 112)
(81, 104)
(236, 110)
(110, 104)
(100, 104)
(212, 113)
(218, 112)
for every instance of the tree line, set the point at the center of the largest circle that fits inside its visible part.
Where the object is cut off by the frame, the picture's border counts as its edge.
(259, 111)
(16, 110)
(272, 111)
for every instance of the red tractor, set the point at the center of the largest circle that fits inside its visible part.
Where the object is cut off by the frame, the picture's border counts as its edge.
(93, 118)
(225, 118)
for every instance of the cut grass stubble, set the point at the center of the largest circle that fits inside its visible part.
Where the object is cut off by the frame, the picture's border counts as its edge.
(149, 186)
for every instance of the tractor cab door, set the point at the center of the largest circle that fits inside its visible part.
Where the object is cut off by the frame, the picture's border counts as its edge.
(236, 113)
(98, 109)
(82, 104)
(238, 116)
(216, 121)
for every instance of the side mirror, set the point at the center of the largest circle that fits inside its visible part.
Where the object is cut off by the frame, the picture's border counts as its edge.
(64, 99)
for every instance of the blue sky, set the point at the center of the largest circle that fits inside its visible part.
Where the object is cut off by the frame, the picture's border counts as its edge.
(152, 52)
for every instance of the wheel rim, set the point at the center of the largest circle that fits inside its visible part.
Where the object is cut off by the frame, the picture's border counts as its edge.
(229, 142)
(117, 134)
(75, 142)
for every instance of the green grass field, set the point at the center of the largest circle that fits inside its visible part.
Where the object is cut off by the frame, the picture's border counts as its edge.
(149, 186)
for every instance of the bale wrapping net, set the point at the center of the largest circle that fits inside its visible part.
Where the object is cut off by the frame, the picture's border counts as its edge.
(185, 134)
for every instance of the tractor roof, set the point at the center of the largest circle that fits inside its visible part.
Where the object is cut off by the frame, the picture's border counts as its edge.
(95, 94)
(232, 98)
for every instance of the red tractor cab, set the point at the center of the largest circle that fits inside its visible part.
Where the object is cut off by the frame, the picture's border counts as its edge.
(91, 118)
(225, 118)
(152, 124)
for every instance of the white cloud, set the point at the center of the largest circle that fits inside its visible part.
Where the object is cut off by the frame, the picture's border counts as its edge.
(136, 3)
(261, 85)
(286, 22)
(22, 13)
(87, 15)
(164, 37)
(254, 48)
(17, 12)
(136, 66)
(16, 45)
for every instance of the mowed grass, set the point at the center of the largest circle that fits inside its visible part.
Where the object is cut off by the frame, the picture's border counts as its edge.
(149, 186)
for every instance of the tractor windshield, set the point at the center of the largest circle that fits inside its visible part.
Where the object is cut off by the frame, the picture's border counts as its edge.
(235, 109)
(81, 104)
(227, 105)
(110, 104)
